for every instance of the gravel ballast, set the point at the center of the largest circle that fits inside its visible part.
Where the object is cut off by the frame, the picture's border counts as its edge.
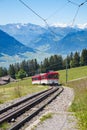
(61, 119)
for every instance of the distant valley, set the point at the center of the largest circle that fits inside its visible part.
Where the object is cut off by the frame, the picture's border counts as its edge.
(28, 41)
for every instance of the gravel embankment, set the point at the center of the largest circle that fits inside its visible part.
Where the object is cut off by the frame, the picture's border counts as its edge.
(61, 118)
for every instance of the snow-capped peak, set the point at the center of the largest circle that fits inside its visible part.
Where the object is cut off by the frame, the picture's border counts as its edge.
(82, 26)
(59, 25)
(18, 26)
(63, 25)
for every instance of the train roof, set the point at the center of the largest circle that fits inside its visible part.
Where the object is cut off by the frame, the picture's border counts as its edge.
(50, 72)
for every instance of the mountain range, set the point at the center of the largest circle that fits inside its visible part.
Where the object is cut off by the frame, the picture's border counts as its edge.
(30, 33)
(34, 41)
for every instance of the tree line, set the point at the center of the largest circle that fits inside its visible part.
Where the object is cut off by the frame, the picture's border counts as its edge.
(54, 62)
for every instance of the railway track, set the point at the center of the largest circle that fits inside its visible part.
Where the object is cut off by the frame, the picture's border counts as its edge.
(10, 109)
(21, 101)
(17, 110)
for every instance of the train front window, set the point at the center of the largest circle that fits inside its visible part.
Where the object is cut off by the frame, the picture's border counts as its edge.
(53, 76)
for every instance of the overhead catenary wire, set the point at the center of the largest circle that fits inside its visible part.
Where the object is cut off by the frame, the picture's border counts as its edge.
(83, 3)
(45, 20)
(74, 18)
(79, 6)
(57, 11)
(32, 10)
(74, 3)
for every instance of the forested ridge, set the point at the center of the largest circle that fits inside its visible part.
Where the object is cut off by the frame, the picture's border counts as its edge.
(54, 62)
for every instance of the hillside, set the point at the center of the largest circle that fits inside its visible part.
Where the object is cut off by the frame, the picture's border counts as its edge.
(10, 46)
(24, 33)
(74, 42)
(73, 73)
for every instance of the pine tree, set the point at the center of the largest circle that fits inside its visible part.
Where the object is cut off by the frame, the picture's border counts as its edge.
(76, 60)
(84, 57)
(3, 71)
(46, 64)
(11, 71)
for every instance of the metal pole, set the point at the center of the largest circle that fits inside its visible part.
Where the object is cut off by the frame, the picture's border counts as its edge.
(66, 71)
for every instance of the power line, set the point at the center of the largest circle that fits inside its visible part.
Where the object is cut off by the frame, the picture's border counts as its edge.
(38, 16)
(79, 6)
(32, 10)
(73, 21)
(82, 3)
(50, 28)
(45, 20)
(58, 10)
(69, 1)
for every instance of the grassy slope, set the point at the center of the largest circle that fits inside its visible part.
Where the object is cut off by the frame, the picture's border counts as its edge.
(73, 73)
(79, 105)
(17, 89)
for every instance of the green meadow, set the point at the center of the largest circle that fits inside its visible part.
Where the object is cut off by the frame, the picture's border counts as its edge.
(72, 74)
(79, 105)
(77, 79)
(18, 89)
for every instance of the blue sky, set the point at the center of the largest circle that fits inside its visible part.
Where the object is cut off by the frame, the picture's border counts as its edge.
(55, 11)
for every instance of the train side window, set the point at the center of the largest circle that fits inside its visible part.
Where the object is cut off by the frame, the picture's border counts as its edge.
(43, 77)
(49, 76)
(34, 79)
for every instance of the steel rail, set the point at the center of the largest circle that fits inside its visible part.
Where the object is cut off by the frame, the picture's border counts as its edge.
(26, 107)
(3, 116)
(21, 123)
(21, 101)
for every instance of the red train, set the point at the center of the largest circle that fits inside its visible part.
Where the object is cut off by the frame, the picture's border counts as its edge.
(49, 78)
